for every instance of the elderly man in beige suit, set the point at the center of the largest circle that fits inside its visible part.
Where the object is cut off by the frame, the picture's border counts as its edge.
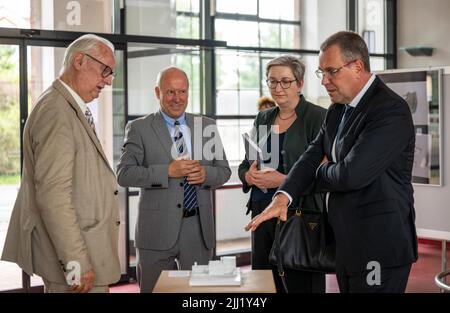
(65, 222)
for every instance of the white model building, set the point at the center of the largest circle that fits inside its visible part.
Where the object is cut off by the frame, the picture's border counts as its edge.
(221, 272)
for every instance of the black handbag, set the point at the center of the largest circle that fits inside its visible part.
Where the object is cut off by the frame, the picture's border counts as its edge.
(304, 242)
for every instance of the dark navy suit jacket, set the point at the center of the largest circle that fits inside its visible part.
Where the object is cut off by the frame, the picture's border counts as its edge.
(371, 204)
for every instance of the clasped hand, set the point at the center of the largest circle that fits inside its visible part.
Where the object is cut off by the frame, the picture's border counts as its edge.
(263, 179)
(192, 169)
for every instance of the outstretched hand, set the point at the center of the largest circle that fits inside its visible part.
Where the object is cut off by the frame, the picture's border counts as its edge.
(277, 208)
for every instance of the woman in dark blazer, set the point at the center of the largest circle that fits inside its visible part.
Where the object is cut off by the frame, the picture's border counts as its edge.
(293, 124)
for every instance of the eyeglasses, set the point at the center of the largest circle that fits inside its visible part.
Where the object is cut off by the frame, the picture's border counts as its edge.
(107, 70)
(331, 72)
(284, 83)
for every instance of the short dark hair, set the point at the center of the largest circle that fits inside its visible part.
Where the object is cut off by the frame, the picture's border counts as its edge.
(297, 67)
(352, 45)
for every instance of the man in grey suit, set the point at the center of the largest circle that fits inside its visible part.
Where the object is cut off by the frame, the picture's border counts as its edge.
(177, 159)
(65, 222)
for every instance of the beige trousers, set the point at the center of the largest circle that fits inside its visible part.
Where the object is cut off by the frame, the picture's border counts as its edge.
(50, 287)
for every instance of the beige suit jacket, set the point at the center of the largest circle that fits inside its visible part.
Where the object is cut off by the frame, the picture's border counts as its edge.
(66, 209)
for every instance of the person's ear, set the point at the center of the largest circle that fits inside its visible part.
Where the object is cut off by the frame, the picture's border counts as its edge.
(158, 92)
(300, 84)
(359, 66)
(78, 60)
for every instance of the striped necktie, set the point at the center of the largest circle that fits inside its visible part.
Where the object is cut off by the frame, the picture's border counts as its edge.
(190, 194)
(90, 119)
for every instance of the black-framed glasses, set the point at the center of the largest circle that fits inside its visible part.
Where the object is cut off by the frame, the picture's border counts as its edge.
(107, 70)
(284, 83)
(331, 72)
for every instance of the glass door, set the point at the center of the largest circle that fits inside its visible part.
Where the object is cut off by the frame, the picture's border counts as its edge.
(10, 273)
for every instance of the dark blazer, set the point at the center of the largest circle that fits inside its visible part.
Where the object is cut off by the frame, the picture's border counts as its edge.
(371, 204)
(297, 139)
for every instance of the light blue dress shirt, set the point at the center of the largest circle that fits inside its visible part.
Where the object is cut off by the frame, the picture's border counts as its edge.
(184, 128)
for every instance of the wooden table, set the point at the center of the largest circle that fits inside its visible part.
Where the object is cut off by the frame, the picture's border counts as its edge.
(254, 281)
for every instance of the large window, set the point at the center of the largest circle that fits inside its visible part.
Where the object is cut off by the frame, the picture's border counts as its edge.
(145, 61)
(10, 274)
(179, 19)
(100, 16)
(238, 82)
(267, 24)
(223, 45)
(260, 30)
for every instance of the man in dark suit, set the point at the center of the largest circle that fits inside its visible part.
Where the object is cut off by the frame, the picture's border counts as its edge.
(362, 159)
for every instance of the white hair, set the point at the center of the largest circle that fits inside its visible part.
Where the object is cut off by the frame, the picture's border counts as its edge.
(87, 43)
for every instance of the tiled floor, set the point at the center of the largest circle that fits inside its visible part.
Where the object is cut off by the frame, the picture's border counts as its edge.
(420, 280)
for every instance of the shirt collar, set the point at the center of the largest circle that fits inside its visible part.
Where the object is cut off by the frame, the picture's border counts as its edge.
(171, 121)
(358, 97)
(77, 98)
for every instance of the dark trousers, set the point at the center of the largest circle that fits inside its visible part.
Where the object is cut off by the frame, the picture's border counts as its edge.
(392, 280)
(262, 240)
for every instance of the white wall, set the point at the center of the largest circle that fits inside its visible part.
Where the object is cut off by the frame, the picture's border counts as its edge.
(423, 23)
(427, 23)
(231, 218)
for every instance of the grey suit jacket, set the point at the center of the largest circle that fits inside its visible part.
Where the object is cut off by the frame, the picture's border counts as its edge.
(66, 209)
(144, 163)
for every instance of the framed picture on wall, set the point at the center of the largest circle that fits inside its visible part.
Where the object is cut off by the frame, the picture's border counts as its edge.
(422, 90)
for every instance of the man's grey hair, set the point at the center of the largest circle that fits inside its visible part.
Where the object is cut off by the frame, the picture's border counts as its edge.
(294, 63)
(353, 47)
(161, 74)
(87, 43)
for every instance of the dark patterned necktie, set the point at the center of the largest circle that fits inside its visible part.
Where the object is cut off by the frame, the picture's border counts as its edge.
(348, 111)
(190, 194)
(90, 119)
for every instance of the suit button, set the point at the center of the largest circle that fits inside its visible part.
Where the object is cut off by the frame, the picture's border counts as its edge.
(116, 192)
(179, 205)
(118, 223)
(181, 185)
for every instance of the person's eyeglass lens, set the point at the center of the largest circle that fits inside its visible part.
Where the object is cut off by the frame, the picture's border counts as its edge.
(285, 84)
(107, 70)
(331, 72)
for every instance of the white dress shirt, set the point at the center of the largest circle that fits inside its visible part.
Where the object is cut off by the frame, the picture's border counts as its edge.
(77, 98)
